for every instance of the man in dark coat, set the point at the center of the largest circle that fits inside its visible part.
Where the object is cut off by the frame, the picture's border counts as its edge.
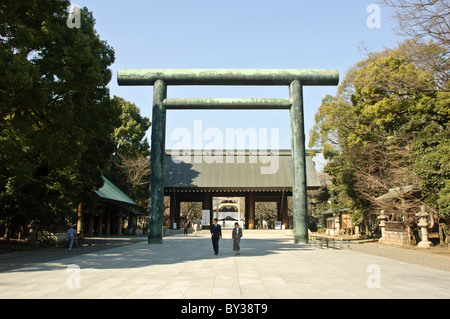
(216, 234)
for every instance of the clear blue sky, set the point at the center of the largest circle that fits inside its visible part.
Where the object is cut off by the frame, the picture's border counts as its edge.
(237, 34)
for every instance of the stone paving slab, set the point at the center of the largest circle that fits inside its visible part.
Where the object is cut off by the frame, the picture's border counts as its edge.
(184, 267)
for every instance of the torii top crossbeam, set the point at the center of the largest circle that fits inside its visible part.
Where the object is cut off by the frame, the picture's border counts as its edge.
(228, 77)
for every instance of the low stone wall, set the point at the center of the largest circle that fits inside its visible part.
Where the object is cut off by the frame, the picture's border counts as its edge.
(394, 226)
(398, 237)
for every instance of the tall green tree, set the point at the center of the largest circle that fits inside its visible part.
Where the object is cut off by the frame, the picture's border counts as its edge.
(386, 128)
(130, 166)
(56, 116)
(130, 137)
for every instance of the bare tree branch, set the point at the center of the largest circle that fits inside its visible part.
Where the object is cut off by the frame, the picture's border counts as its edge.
(426, 23)
(421, 19)
(137, 170)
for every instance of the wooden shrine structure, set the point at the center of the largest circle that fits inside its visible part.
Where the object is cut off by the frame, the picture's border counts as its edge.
(201, 180)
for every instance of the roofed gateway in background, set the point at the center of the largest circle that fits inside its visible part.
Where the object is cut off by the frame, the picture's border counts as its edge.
(200, 175)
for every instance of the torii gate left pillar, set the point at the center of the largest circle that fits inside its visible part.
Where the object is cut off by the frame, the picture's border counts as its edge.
(295, 79)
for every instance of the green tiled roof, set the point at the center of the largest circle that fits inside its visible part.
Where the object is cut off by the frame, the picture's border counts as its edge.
(111, 192)
(396, 192)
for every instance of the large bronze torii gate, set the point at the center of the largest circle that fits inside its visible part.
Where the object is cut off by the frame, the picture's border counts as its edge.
(296, 79)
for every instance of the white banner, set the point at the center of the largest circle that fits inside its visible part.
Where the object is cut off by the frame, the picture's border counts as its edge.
(205, 217)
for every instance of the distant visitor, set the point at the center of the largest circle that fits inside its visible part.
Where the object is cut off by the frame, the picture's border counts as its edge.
(237, 234)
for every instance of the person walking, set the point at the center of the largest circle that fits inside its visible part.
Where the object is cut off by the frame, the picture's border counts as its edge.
(237, 234)
(186, 227)
(216, 234)
(195, 229)
(71, 234)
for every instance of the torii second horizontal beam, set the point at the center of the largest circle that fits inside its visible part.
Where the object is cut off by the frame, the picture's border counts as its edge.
(227, 104)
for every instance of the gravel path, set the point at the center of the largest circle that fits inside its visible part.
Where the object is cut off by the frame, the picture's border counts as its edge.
(435, 257)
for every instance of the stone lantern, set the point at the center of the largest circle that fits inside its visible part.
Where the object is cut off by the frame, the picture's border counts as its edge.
(382, 217)
(337, 223)
(423, 224)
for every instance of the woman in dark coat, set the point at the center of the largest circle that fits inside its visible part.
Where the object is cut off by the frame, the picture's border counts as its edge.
(237, 234)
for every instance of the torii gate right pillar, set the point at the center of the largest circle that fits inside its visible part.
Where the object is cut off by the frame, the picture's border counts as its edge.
(298, 153)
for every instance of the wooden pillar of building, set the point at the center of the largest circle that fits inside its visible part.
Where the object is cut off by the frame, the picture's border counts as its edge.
(250, 211)
(279, 202)
(80, 218)
(90, 225)
(178, 213)
(173, 210)
(100, 224)
(108, 220)
(284, 210)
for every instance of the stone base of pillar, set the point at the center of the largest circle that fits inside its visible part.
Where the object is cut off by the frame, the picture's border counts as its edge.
(425, 244)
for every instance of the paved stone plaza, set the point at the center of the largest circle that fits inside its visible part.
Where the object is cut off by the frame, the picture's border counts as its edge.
(270, 266)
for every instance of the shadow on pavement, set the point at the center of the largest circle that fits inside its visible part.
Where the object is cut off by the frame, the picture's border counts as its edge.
(175, 249)
(18, 259)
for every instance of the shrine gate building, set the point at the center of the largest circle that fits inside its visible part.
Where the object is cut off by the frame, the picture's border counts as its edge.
(201, 175)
